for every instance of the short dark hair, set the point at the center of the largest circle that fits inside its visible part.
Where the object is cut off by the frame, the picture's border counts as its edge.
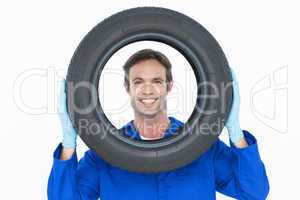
(147, 54)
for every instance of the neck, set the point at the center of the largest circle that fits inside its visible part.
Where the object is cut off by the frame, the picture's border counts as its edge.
(152, 127)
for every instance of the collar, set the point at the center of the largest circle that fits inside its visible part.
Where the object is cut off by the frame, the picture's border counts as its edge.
(131, 132)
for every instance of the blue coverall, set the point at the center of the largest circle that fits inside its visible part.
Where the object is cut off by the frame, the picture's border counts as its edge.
(239, 173)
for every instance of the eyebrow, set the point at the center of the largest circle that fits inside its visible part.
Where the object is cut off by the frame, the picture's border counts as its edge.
(156, 78)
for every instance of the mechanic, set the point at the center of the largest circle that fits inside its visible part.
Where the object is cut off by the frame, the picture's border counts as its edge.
(235, 170)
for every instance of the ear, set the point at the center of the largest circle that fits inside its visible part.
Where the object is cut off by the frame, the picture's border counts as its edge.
(169, 86)
(126, 87)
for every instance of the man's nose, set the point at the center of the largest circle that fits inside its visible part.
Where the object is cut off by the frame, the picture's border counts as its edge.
(148, 89)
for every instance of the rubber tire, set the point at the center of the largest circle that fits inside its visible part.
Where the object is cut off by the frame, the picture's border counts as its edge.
(199, 48)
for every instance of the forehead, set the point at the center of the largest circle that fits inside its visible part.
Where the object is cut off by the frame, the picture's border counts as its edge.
(147, 69)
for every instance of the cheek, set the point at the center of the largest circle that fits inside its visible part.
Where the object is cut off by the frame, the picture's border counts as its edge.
(131, 94)
(135, 90)
(163, 91)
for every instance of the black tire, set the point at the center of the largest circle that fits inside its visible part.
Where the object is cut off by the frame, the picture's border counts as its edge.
(155, 24)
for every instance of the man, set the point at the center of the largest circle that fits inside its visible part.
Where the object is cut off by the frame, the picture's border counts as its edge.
(236, 171)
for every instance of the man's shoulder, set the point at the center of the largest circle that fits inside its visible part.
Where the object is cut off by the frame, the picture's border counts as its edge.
(93, 159)
(175, 120)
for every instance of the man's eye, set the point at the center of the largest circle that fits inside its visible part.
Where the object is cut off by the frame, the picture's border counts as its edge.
(158, 82)
(137, 82)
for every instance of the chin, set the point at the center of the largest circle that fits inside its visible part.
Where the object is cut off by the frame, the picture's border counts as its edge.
(148, 113)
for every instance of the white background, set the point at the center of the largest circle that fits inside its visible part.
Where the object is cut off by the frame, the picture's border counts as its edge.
(259, 38)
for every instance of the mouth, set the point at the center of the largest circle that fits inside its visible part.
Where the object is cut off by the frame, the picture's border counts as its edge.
(149, 101)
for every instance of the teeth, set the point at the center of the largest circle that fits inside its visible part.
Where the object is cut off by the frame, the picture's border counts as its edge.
(148, 101)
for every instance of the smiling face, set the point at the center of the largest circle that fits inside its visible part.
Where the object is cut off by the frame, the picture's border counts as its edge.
(148, 88)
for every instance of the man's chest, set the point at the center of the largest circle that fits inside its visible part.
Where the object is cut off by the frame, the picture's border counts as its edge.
(193, 181)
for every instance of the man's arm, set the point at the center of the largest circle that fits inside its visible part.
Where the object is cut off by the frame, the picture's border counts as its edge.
(66, 153)
(240, 172)
(242, 143)
(72, 180)
(68, 179)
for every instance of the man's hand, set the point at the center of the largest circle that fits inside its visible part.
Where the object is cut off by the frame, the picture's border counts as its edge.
(69, 133)
(232, 124)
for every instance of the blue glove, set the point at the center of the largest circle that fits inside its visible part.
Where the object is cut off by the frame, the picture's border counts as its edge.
(69, 133)
(232, 124)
